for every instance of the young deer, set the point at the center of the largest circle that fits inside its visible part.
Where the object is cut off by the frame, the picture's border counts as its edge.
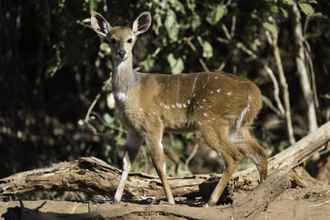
(220, 106)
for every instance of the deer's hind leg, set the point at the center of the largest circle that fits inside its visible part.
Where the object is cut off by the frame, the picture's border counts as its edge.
(256, 152)
(218, 139)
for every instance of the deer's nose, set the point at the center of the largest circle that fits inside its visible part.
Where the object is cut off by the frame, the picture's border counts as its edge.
(121, 53)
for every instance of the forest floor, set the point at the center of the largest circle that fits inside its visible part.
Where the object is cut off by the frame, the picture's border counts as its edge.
(308, 203)
(295, 203)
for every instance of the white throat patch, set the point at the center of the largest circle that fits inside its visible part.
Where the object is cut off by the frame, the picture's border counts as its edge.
(121, 96)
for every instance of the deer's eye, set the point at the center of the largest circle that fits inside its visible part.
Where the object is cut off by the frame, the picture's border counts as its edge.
(112, 40)
(130, 40)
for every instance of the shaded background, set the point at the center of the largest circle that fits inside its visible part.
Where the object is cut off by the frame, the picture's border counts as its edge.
(52, 65)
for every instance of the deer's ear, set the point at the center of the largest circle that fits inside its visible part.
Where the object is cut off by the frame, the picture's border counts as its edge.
(142, 23)
(99, 24)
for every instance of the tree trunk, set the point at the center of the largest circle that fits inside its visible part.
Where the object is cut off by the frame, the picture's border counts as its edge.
(302, 72)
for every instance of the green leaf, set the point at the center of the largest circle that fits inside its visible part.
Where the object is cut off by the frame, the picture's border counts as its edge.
(108, 119)
(176, 64)
(284, 12)
(148, 63)
(195, 21)
(288, 2)
(216, 14)
(178, 6)
(207, 48)
(271, 27)
(306, 8)
(172, 26)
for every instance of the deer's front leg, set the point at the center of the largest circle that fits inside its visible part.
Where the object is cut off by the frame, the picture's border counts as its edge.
(132, 145)
(154, 137)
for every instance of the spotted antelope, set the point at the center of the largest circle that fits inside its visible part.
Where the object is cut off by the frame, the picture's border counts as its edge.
(219, 106)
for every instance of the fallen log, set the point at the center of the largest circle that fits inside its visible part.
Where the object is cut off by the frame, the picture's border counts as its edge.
(91, 175)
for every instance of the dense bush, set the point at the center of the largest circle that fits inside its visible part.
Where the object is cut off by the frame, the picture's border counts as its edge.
(53, 66)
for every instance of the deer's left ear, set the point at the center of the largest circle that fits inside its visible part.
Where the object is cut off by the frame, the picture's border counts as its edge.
(142, 23)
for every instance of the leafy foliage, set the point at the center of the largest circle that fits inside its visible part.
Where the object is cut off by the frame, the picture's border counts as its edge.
(53, 66)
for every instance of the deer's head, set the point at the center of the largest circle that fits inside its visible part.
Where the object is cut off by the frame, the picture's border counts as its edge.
(121, 39)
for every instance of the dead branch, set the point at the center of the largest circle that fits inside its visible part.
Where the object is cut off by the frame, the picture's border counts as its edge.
(273, 40)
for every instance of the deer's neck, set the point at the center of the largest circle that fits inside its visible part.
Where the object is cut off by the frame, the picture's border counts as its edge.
(123, 78)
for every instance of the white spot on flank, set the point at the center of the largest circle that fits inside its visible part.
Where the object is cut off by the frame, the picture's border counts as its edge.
(172, 106)
(204, 100)
(218, 90)
(199, 122)
(211, 92)
(216, 77)
(179, 105)
(141, 109)
(229, 93)
(184, 105)
(166, 107)
(205, 114)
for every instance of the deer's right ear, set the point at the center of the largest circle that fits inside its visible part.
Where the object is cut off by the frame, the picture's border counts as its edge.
(99, 24)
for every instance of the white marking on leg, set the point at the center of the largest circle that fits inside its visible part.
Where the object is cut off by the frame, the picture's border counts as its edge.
(123, 178)
(242, 115)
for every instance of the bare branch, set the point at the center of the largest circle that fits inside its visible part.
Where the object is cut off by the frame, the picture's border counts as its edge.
(301, 67)
(273, 37)
(271, 75)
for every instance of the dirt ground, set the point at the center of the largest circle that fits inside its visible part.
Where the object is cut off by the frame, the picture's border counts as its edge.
(311, 203)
